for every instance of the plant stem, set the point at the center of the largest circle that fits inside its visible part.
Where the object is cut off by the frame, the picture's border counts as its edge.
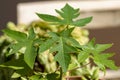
(61, 73)
(78, 67)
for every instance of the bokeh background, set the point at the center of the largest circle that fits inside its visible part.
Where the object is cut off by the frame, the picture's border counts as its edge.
(107, 19)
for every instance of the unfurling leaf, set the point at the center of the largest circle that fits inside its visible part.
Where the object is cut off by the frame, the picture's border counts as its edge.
(62, 56)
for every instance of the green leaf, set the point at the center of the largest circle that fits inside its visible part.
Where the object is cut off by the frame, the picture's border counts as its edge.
(38, 41)
(13, 64)
(91, 43)
(69, 49)
(110, 64)
(53, 35)
(49, 18)
(83, 55)
(30, 54)
(63, 53)
(82, 22)
(62, 56)
(95, 52)
(102, 59)
(37, 77)
(73, 42)
(22, 72)
(67, 32)
(63, 59)
(47, 44)
(68, 14)
(19, 65)
(15, 75)
(19, 36)
(31, 33)
(102, 47)
(95, 74)
(52, 76)
(101, 66)
(24, 41)
(63, 48)
(15, 48)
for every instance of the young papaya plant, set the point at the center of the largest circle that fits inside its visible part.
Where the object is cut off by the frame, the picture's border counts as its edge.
(61, 45)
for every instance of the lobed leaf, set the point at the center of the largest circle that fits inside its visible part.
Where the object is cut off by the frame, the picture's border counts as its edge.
(68, 13)
(62, 56)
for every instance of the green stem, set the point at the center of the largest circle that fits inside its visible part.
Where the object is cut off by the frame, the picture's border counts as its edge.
(61, 73)
(78, 67)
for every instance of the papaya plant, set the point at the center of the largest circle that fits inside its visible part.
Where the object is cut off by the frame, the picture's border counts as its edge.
(60, 45)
